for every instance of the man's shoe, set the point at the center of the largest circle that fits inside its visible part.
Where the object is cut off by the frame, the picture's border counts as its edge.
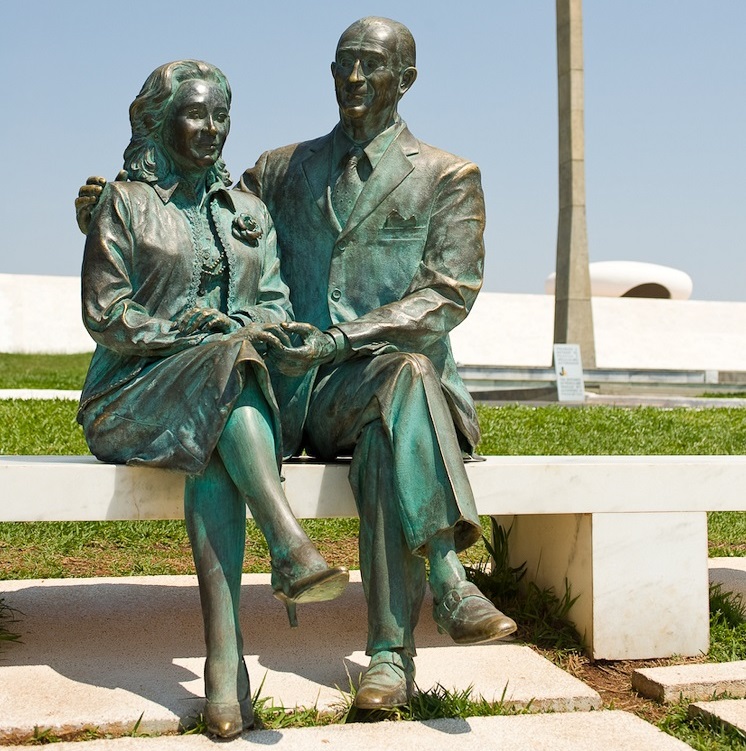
(468, 617)
(387, 682)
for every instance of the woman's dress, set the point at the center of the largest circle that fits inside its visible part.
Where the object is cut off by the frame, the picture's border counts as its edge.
(154, 395)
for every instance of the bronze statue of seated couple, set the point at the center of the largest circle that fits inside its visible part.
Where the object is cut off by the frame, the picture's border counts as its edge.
(306, 309)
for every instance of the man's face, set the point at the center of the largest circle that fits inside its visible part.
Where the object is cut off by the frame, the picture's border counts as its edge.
(196, 126)
(366, 75)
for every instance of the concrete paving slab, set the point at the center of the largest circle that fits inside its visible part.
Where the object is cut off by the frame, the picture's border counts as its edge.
(103, 652)
(575, 731)
(730, 574)
(693, 682)
(730, 711)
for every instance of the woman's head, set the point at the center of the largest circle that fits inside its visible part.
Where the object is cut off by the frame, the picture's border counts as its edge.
(179, 122)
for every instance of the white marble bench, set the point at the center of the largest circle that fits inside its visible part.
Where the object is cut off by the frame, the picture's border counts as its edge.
(628, 533)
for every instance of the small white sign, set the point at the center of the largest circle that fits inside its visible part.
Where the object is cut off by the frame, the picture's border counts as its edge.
(568, 367)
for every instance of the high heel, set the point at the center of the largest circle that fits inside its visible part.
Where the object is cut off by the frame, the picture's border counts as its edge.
(317, 587)
(226, 719)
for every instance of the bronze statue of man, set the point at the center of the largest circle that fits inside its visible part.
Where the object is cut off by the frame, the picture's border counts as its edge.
(385, 256)
(381, 246)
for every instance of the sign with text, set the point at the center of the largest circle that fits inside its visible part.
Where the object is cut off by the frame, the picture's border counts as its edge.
(568, 367)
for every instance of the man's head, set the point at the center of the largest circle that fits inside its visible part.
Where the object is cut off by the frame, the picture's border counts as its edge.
(373, 68)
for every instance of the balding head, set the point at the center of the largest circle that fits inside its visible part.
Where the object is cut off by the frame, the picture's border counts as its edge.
(403, 45)
(373, 68)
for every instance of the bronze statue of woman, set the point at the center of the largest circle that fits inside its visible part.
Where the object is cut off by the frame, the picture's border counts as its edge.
(182, 292)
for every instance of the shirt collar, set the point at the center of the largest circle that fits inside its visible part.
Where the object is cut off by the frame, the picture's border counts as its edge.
(374, 149)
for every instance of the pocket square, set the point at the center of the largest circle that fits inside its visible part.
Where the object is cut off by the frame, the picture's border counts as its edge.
(396, 221)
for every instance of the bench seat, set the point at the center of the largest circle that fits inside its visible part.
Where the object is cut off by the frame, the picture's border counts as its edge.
(627, 533)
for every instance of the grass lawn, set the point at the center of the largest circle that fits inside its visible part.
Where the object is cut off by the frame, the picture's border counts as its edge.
(43, 371)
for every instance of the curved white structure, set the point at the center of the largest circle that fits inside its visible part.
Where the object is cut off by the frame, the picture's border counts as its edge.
(634, 279)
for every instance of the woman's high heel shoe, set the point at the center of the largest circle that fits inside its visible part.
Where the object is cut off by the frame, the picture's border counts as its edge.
(226, 719)
(317, 587)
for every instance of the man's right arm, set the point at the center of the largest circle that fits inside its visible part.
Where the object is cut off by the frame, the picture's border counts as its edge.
(252, 179)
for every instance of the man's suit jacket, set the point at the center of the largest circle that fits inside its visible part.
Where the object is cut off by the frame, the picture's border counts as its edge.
(401, 274)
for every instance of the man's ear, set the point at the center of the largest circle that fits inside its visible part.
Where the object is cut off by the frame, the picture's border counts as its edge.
(406, 79)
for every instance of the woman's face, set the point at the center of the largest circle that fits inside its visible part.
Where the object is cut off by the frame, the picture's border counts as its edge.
(196, 126)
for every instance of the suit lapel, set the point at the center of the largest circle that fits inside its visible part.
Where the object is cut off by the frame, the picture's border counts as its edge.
(393, 167)
(316, 168)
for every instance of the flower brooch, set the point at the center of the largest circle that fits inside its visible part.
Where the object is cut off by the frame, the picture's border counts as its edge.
(246, 229)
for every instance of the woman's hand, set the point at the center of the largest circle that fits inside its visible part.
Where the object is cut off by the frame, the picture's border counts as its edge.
(316, 348)
(206, 320)
(269, 334)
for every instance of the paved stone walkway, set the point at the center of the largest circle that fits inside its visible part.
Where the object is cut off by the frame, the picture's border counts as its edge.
(108, 653)
(692, 682)
(732, 712)
(104, 652)
(575, 731)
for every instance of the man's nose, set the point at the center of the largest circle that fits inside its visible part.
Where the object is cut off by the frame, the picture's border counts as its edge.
(356, 75)
(210, 125)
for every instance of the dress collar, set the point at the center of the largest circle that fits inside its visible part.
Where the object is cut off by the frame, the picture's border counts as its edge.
(166, 190)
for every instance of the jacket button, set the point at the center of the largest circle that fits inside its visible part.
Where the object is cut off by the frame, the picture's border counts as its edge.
(336, 294)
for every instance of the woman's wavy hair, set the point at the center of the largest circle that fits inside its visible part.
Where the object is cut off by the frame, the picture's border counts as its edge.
(145, 159)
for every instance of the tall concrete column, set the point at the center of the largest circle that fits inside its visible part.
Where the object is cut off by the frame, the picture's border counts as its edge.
(573, 318)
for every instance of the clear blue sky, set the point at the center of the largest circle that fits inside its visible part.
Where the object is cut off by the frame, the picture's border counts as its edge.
(665, 115)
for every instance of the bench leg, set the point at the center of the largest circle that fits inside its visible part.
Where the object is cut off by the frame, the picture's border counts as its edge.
(642, 579)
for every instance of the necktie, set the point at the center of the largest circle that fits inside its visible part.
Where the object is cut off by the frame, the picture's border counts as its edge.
(348, 186)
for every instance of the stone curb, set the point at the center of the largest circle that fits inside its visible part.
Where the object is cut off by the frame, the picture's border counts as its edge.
(40, 394)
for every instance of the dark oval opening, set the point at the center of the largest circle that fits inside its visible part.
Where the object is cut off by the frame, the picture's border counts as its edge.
(651, 289)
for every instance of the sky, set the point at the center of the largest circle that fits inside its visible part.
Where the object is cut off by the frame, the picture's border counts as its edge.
(665, 116)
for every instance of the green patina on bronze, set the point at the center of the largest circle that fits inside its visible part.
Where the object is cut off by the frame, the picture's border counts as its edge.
(381, 248)
(181, 288)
